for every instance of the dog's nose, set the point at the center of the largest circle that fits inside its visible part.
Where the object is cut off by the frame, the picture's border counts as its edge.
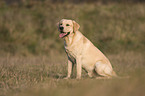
(61, 28)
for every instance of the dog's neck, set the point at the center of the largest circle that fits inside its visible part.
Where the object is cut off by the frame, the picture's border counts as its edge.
(69, 40)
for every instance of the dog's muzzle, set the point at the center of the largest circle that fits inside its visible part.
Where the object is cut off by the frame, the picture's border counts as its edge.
(63, 34)
(61, 28)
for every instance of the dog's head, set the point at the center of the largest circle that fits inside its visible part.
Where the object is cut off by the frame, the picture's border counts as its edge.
(67, 27)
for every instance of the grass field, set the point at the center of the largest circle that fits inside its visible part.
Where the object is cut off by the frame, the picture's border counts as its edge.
(42, 76)
(33, 61)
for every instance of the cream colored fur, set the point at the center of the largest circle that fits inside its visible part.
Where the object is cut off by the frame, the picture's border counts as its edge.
(83, 53)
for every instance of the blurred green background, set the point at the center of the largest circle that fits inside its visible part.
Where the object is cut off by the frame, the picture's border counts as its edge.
(32, 57)
(28, 27)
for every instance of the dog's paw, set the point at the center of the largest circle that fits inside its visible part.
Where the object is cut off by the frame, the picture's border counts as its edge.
(103, 78)
(66, 78)
(78, 78)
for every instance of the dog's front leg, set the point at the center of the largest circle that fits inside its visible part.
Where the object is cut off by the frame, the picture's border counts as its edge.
(79, 68)
(70, 67)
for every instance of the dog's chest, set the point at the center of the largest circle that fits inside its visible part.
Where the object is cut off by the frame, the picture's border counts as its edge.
(71, 51)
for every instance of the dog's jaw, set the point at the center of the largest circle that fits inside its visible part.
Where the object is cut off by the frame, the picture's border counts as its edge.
(64, 34)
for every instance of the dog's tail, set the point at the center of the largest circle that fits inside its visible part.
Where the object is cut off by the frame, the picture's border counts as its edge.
(120, 77)
(114, 74)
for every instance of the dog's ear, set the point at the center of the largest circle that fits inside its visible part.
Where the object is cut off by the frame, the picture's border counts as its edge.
(76, 26)
(57, 24)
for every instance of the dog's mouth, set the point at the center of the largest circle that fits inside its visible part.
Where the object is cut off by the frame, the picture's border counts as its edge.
(63, 34)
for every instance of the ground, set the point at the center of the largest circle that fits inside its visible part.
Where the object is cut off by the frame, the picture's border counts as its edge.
(42, 75)
(32, 57)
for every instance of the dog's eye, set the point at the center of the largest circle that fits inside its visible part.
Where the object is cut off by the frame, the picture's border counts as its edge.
(67, 24)
(61, 24)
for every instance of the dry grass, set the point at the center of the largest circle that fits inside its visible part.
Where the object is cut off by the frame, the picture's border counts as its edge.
(32, 58)
(43, 76)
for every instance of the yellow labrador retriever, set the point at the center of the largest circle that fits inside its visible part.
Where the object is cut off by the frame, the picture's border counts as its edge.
(82, 52)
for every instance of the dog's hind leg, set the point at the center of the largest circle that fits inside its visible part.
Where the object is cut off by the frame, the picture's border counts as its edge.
(104, 70)
(90, 74)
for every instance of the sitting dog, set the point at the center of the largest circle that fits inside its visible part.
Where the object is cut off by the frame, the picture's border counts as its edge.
(82, 52)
